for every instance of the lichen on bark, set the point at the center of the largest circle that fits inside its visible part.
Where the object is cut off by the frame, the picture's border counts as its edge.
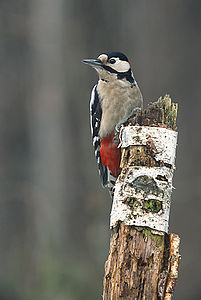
(143, 262)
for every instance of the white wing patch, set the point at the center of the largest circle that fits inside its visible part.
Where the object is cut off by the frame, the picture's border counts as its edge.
(95, 121)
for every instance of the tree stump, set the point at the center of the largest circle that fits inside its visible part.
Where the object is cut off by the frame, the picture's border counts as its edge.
(143, 258)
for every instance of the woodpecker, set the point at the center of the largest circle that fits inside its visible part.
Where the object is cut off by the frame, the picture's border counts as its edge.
(113, 100)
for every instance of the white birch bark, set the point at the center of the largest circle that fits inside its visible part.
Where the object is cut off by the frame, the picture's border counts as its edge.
(142, 195)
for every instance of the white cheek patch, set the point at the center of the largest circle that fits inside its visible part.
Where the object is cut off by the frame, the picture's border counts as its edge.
(120, 65)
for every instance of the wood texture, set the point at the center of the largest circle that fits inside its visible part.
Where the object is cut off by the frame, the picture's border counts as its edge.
(134, 264)
(142, 263)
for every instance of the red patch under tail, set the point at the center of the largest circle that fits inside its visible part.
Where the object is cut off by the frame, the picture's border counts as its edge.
(110, 154)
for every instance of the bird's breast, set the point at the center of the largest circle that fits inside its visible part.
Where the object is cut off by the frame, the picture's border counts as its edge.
(117, 102)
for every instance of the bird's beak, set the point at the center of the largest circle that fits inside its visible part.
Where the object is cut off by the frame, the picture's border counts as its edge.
(96, 63)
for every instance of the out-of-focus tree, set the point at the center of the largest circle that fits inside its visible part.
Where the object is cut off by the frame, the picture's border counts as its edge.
(54, 216)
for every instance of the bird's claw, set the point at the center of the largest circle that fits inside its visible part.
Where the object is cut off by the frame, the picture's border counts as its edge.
(124, 120)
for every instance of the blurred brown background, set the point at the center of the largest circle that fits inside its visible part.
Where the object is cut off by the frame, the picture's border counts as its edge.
(54, 215)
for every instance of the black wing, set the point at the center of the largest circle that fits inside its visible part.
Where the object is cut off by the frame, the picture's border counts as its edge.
(95, 120)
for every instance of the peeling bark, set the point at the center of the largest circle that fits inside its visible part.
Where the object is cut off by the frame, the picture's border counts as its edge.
(143, 261)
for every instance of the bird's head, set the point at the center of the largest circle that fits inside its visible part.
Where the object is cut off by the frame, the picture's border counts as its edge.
(112, 64)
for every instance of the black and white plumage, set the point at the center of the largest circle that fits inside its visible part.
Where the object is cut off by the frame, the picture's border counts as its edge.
(95, 120)
(113, 99)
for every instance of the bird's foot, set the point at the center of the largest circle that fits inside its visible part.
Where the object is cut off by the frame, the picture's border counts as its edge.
(123, 121)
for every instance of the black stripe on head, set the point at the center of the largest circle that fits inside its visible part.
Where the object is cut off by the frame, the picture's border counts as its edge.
(120, 55)
(109, 69)
(121, 75)
(127, 75)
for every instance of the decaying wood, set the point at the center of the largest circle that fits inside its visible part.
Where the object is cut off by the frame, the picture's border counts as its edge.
(173, 260)
(133, 265)
(162, 113)
(143, 263)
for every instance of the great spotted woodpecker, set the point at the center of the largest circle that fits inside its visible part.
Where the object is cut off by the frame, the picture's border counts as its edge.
(113, 99)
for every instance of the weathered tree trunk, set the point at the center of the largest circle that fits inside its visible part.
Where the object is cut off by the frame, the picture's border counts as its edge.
(143, 258)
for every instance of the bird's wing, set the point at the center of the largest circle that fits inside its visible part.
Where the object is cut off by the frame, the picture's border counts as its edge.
(95, 121)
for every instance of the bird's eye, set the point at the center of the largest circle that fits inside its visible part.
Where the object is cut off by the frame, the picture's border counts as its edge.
(112, 61)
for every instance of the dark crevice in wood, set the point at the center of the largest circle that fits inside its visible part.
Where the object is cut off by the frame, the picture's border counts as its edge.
(139, 261)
